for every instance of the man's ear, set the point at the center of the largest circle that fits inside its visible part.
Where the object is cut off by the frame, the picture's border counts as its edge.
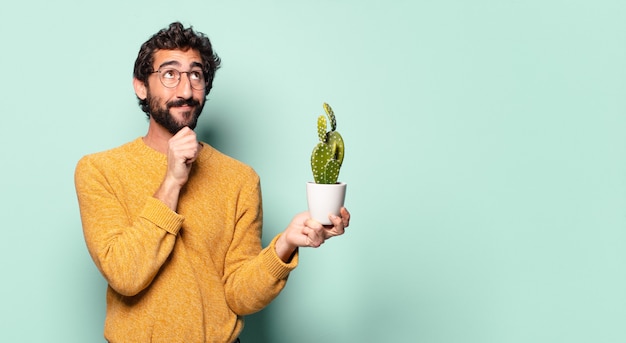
(140, 89)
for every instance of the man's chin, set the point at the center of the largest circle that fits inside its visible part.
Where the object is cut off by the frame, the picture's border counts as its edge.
(191, 123)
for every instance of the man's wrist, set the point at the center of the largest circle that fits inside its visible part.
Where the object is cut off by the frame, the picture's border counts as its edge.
(168, 193)
(284, 250)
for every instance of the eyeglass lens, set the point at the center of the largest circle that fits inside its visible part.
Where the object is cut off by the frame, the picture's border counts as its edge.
(171, 78)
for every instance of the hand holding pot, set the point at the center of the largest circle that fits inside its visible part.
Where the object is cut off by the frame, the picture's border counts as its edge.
(306, 232)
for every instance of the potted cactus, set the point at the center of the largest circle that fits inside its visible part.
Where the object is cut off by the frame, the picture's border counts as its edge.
(325, 195)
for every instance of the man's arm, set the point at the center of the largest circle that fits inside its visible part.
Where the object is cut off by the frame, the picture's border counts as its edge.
(128, 251)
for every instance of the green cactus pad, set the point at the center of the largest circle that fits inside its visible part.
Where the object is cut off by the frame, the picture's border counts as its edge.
(331, 172)
(321, 128)
(319, 158)
(331, 116)
(336, 144)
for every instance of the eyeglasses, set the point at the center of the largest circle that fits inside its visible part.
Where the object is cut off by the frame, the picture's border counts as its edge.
(170, 78)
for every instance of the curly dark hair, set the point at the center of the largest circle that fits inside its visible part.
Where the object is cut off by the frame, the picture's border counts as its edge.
(176, 37)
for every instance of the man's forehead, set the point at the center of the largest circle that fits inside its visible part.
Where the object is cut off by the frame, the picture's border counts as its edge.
(181, 58)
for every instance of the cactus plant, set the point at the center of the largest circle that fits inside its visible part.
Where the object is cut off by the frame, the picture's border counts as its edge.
(327, 156)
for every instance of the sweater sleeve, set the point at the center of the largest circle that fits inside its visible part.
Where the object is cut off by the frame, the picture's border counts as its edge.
(128, 249)
(252, 278)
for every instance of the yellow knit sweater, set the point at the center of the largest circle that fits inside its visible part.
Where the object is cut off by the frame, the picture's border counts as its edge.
(185, 276)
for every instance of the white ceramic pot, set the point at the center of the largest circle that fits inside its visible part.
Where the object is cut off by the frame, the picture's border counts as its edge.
(324, 200)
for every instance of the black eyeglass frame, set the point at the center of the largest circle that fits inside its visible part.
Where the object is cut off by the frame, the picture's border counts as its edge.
(180, 75)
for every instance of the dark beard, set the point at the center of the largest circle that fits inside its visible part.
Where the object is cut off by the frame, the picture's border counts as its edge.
(163, 117)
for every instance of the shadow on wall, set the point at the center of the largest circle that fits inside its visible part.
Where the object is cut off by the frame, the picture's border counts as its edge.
(255, 328)
(215, 132)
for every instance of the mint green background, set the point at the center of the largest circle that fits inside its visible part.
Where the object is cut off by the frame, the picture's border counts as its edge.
(486, 161)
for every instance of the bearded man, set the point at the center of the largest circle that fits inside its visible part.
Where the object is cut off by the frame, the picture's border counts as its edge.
(174, 225)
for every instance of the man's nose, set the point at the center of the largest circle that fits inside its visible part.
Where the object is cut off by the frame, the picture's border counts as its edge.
(184, 89)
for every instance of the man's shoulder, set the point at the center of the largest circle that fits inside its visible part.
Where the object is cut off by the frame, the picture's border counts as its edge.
(110, 156)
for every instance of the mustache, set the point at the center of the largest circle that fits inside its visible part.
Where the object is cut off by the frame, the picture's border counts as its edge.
(182, 102)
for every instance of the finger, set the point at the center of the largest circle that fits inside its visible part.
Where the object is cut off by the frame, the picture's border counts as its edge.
(314, 237)
(338, 226)
(186, 148)
(313, 224)
(184, 132)
(345, 216)
(316, 232)
(186, 145)
(184, 135)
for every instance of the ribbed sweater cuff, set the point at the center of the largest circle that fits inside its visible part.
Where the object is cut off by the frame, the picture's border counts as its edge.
(162, 216)
(276, 267)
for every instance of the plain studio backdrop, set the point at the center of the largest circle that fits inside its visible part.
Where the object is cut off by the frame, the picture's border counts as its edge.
(485, 160)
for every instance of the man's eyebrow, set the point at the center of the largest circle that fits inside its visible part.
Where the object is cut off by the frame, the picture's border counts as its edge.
(169, 63)
(196, 64)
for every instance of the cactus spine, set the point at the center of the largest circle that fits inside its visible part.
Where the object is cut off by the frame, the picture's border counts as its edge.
(327, 156)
